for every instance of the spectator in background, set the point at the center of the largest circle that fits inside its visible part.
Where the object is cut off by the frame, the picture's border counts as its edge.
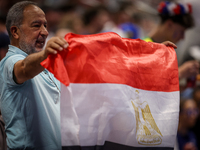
(196, 96)
(4, 42)
(189, 48)
(98, 20)
(175, 20)
(187, 119)
(94, 19)
(53, 15)
(70, 22)
(4, 39)
(2, 24)
(124, 20)
(196, 129)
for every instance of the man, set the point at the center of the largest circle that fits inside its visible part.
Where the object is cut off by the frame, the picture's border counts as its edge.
(175, 19)
(29, 94)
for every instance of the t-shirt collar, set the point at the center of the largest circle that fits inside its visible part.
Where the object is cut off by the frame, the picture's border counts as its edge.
(16, 50)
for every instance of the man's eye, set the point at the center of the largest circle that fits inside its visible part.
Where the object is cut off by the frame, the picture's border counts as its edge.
(37, 25)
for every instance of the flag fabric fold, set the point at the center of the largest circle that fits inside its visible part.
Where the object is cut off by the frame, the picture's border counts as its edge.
(117, 90)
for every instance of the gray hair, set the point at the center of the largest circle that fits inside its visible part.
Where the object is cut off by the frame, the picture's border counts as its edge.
(15, 15)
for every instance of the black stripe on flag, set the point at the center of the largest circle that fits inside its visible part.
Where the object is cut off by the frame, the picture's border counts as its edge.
(114, 146)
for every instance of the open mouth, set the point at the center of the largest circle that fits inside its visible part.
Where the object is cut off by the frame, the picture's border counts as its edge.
(40, 43)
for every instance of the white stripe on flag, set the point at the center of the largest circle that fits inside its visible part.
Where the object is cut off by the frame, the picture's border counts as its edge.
(94, 113)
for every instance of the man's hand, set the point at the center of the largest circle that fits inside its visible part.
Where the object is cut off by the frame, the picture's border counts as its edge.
(30, 66)
(168, 43)
(189, 69)
(55, 44)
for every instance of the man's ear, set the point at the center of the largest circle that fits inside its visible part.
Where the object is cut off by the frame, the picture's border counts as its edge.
(15, 32)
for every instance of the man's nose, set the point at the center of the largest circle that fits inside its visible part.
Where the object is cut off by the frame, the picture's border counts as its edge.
(44, 31)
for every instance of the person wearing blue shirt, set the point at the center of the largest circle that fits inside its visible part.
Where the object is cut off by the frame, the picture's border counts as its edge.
(187, 119)
(29, 94)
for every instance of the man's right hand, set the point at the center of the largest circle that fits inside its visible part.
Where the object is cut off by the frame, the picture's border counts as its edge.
(55, 44)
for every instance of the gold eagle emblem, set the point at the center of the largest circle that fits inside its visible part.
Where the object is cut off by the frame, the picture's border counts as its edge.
(147, 131)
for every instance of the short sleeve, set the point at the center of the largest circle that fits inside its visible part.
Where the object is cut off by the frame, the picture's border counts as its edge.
(8, 68)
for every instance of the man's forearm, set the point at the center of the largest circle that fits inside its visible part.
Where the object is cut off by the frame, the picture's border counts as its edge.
(29, 67)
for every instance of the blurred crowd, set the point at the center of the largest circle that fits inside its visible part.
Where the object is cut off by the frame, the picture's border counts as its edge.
(130, 19)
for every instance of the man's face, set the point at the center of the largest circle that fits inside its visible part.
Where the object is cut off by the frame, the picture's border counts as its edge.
(33, 30)
(177, 33)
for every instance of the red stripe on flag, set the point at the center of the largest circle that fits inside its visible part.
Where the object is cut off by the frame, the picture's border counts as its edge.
(108, 58)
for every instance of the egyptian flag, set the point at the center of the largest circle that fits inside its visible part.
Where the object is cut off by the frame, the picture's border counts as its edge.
(116, 93)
